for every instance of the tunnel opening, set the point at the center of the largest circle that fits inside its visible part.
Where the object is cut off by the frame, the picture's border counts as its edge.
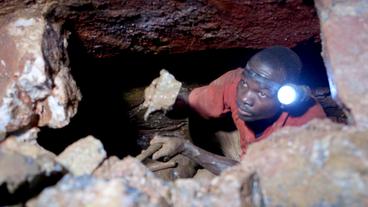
(112, 89)
(104, 83)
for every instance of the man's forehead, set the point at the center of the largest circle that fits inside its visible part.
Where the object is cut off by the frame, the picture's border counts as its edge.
(263, 82)
(273, 73)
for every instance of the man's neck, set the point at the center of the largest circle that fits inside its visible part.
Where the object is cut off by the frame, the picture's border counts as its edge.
(259, 126)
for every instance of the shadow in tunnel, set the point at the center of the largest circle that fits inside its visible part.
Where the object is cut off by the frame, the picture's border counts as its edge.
(103, 112)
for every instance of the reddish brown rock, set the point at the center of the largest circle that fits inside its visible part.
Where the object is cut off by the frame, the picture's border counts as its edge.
(107, 28)
(320, 164)
(36, 88)
(345, 51)
(11, 6)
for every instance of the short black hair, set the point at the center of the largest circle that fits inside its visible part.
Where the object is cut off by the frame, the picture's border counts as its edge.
(279, 58)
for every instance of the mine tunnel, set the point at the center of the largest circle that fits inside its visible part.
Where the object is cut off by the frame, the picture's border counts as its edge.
(111, 80)
(72, 86)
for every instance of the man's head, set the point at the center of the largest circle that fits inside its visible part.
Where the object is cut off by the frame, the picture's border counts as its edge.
(263, 75)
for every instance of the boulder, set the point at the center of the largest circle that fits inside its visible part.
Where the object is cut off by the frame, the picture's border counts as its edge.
(83, 156)
(345, 52)
(36, 87)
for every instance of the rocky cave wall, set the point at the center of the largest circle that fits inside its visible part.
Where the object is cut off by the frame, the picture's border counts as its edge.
(323, 160)
(108, 28)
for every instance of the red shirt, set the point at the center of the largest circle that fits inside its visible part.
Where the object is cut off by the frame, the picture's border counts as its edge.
(219, 97)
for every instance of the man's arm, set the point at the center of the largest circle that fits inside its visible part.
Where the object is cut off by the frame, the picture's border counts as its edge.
(212, 162)
(172, 146)
(182, 100)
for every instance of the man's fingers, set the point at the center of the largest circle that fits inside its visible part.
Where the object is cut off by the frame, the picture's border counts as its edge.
(158, 139)
(157, 155)
(165, 151)
(149, 151)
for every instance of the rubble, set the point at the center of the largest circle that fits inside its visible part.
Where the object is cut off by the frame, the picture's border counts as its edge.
(319, 164)
(129, 183)
(45, 159)
(89, 191)
(26, 168)
(83, 156)
(322, 159)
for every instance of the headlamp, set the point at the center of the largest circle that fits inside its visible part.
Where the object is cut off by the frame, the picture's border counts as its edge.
(287, 94)
(290, 94)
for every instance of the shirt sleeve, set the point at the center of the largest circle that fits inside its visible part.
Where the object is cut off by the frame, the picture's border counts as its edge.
(209, 101)
(315, 111)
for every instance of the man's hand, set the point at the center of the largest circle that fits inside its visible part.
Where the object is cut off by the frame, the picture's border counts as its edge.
(170, 146)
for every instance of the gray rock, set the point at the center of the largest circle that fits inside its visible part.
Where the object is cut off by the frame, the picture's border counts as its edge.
(83, 156)
(25, 163)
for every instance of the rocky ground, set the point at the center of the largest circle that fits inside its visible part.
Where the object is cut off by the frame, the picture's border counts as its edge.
(320, 164)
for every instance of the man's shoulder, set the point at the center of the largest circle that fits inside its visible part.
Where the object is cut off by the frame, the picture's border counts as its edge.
(235, 73)
(306, 113)
(229, 77)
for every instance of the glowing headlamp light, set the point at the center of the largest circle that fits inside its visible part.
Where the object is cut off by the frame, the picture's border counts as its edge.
(289, 94)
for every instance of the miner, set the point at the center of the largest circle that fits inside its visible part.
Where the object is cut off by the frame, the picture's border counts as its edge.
(250, 96)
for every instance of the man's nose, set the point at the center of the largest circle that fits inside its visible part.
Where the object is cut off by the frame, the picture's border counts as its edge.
(248, 98)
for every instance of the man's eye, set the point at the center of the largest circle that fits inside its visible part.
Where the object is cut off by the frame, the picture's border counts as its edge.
(262, 94)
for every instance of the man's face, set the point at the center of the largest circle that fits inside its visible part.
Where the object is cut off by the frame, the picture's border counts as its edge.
(256, 95)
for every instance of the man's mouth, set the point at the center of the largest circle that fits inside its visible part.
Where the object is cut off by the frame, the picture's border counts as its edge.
(243, 111)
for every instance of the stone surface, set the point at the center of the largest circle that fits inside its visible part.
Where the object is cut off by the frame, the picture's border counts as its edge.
(36, 88)
(344, 31)
(83, 156)
(136, 175)
(89, 191)
(17, 169)
(26, 169)
(107, 168)
(45, 159)
(115, 168)
(11, 6)
(134, 185)
(319, 164)
(107, 28)
(161, 93)
(145, 190)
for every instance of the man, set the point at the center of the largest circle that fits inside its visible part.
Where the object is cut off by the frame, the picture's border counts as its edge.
(250, 95)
